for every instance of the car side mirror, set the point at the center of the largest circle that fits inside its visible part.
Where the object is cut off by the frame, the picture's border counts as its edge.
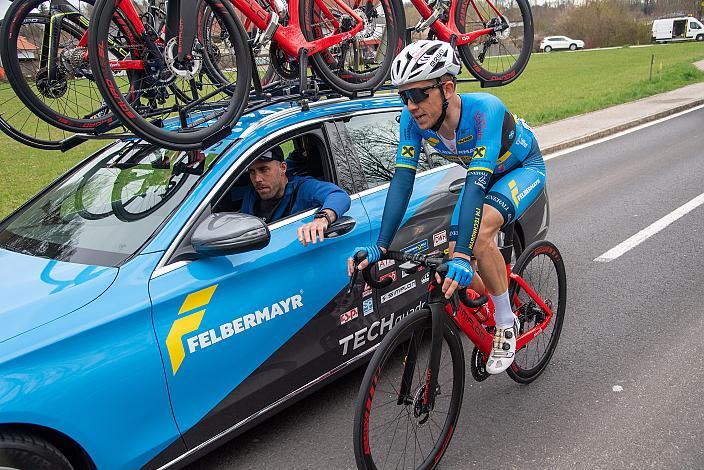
(229, 233)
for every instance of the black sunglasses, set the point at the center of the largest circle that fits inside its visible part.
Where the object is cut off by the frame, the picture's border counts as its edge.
(417, 95)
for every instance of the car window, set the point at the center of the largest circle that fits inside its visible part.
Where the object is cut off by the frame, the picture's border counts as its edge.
(694, 25)
(375, 141)
(305, 157)
(103, 212)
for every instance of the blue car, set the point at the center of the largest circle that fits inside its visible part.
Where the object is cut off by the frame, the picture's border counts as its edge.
(145, 321)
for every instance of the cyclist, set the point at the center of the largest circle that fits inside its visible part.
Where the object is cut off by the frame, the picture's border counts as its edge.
(505, 173)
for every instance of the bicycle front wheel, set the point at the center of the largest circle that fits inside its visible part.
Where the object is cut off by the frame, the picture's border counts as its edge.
(362, 62)
(500, 57)
(390, 428)
(542, 268)
(177, 105)
(47, 67)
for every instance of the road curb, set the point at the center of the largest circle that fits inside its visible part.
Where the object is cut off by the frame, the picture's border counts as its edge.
(621, 127)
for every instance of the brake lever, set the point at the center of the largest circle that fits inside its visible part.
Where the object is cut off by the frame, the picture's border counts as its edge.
(358, 258)
(353, 280)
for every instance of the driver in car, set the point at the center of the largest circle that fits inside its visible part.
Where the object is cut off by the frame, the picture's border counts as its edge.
(275, 195)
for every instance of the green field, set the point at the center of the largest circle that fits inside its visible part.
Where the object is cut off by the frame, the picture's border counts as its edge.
(554, 86)
(562, 84)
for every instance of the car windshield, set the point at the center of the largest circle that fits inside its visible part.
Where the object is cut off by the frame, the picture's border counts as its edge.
(106, 210)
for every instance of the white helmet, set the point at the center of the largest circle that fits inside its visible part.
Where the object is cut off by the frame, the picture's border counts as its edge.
(424, 60)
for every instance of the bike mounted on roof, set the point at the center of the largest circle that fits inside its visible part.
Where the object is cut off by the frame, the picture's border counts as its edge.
(180, 73)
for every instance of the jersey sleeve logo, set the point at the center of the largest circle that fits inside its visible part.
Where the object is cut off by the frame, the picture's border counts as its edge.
(408, 151)
(478, 152)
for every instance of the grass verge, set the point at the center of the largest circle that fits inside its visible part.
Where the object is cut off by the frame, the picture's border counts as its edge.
(554, 86)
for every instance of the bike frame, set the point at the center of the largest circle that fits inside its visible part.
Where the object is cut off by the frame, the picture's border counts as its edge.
(448, 32)
(464, 317)
(467, 321)
(290, 37)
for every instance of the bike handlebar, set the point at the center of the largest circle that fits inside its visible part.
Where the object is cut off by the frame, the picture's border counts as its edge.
(437, 264)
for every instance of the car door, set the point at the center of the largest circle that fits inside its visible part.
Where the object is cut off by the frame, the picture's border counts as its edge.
(373, 138)
(242, 333)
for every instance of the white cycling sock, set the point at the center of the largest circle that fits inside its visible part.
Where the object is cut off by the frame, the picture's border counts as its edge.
(503, 315)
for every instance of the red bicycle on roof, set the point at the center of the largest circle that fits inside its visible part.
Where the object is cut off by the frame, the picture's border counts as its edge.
(178, 72)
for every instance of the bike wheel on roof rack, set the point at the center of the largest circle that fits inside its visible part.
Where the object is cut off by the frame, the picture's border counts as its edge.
(179, 107)
(498, 58)
(362, 62)
(263, 55)
(47, 67)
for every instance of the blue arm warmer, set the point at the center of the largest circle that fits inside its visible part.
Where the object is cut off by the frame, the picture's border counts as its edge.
(396, 204)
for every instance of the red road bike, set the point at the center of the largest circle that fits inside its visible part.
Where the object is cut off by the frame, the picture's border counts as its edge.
(410, 398)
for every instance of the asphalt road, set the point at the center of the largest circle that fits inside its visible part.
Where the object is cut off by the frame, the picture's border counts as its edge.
(633, 324)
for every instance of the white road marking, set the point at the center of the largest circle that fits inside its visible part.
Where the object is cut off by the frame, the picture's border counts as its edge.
(559, 153)
(617, 388)
(650, 230)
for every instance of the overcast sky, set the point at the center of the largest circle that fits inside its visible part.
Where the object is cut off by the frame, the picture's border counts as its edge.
(4, 5)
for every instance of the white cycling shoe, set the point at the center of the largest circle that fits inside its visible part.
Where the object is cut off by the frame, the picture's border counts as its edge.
(503, 349)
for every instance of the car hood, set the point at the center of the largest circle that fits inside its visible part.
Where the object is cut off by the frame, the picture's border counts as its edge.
(35, 290)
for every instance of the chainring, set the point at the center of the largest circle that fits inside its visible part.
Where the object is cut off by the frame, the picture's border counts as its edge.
(286, 67)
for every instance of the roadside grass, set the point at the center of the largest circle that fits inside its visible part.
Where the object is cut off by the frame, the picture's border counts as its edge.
(554, 86)
(562, 84)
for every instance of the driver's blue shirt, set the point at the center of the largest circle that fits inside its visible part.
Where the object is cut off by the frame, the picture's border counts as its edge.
(492, 144)
(310, 193)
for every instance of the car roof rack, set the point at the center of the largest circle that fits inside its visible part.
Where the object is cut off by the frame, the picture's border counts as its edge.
(315, 90)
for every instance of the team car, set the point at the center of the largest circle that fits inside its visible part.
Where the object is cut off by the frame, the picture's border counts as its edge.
(145, 321)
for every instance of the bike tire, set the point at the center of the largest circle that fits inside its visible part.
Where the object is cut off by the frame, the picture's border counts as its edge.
(346, 81)
(396, 345)
(545, 255)
(162, 126)
(124, 207)
(503, 64)
(64, 108)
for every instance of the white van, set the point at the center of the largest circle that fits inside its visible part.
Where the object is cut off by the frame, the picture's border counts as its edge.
(678, 29)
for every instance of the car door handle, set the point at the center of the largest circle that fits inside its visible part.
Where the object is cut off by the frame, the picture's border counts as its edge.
(456, 186)
(341, 226)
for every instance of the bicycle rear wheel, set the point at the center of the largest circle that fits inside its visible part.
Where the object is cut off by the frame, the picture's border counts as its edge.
(389, 429)
(542, 268)
(362, 62)
(46, 66)
(500, 57)
(186, 106)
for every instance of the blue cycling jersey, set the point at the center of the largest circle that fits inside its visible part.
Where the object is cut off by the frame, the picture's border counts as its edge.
(492, 144)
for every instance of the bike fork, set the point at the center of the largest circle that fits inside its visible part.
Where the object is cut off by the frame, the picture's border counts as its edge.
(438, 315)
(51, 40)
(436, 304)
(180, 23)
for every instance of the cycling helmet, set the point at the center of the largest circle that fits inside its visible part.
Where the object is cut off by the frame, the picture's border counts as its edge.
(424, 60)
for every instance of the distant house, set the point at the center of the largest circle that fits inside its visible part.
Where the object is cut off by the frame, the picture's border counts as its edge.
(26, 50)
